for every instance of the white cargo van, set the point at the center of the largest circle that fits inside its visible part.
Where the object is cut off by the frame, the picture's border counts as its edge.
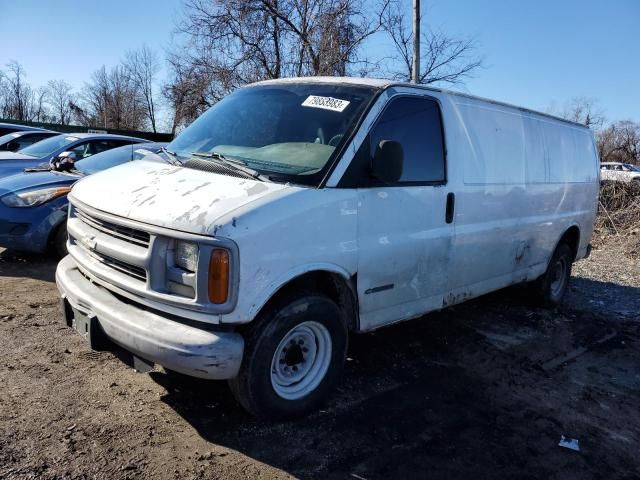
(301, 210)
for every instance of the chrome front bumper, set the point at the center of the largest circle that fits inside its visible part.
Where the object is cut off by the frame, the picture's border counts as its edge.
(183, 348)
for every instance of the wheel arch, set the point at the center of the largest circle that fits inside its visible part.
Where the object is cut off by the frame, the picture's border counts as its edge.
(331, 281)
(571, 237)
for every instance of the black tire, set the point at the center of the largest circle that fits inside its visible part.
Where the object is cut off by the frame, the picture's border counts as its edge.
(550, 288)
(60, 240)
(254, 388)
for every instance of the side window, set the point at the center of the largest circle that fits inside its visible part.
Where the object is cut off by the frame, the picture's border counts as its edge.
(103, 146)
(24, 142)
(92, 147)
(82, 150)
(415, 123)
(120, 143)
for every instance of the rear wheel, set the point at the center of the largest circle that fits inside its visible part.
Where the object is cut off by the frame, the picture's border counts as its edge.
(294, 354)
(551, 287)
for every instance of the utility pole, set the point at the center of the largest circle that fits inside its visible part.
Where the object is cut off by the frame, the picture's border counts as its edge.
(415, 71)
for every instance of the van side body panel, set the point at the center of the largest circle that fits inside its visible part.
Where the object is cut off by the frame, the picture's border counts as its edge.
(526, 179)
(521, 180)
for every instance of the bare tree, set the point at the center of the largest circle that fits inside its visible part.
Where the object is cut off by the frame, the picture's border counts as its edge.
(111, 100)
(18, 97)
(40, 110)
(444, 59)
(228, 43)
(584, 110)
(4, 95)
(143, 66)
(60, 99)
(620, 142)
(186, 91)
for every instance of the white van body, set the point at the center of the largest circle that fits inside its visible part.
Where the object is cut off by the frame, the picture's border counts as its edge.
(519, 182)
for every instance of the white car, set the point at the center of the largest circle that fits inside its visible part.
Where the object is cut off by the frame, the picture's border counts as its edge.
(304, 210)
(619, 172)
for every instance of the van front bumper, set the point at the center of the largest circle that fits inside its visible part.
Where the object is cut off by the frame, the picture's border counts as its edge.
(150, 336)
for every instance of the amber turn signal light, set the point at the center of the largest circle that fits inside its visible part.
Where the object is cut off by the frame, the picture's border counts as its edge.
(219, 276)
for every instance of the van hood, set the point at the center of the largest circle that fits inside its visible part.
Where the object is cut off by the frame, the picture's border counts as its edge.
(170, 196)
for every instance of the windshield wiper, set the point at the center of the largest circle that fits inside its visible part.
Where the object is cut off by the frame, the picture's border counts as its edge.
(236, 164)
(175, 161)
(73, 172)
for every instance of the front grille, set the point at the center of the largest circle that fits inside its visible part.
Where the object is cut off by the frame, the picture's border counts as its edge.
(127, 234)
(126, 268)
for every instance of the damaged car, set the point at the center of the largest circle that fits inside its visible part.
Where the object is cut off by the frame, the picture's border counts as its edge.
(300, 211)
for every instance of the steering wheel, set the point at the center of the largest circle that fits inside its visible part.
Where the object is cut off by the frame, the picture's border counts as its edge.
(335, 140)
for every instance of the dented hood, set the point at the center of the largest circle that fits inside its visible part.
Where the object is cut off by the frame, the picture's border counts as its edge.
(170, 196)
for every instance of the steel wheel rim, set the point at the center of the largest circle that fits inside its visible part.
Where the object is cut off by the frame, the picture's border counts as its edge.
(301, 360)
(558, 277)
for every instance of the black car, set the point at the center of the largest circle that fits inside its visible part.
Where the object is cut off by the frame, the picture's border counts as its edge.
(11, 127)
(15, 141)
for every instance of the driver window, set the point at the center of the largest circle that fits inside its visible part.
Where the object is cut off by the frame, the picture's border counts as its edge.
(81, 151)
(92, 147)
(415, 123)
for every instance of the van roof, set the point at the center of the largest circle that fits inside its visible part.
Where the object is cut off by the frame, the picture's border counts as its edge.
(382, 83)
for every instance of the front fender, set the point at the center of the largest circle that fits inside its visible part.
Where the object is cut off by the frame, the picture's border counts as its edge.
(57, 214)
(274, 286)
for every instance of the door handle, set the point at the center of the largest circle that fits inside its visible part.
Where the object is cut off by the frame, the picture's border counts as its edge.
(451, 205)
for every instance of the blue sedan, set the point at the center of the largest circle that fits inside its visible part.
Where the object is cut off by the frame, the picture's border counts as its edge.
(82, 145)
(33, 204)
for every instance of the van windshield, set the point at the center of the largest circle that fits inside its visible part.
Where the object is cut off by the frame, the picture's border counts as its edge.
(289, 132)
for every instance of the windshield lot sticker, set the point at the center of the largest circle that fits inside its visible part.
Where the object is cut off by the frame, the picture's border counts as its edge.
(328, 103)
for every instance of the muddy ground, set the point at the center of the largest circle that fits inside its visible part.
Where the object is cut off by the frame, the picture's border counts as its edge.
(482, 390)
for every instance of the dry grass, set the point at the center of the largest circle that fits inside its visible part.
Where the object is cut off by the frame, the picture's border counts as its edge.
(619, 216)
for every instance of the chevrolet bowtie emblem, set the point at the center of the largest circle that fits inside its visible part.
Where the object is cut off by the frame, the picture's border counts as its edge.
(89, 241)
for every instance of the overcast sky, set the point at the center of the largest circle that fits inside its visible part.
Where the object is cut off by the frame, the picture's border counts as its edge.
(537, 52)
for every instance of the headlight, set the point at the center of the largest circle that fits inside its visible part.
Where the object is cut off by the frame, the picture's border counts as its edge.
(33, 198)
(186, 256)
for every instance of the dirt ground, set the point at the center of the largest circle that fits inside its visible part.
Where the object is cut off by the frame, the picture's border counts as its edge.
(481, 390)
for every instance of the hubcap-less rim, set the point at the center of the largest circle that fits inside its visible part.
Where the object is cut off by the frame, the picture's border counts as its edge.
(301, 360)
(558, 277)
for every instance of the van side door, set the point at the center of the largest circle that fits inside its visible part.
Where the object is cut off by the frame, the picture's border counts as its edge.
(404, 235)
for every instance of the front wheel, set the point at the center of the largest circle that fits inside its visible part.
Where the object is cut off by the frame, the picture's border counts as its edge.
(293, 356)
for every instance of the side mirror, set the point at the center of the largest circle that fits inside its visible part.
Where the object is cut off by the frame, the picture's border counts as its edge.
(386, 164)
